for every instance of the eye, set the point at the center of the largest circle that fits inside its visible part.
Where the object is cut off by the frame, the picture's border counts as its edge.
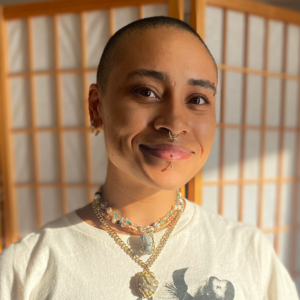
(199, 100)
(146, 92)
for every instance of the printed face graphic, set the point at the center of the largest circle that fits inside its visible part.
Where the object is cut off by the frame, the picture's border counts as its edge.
(213, 289)
(219, 287)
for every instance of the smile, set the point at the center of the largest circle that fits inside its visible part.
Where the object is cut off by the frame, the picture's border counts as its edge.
(167, 151)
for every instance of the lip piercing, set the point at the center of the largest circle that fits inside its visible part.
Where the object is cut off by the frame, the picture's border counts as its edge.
(169, 165)
(173, 137)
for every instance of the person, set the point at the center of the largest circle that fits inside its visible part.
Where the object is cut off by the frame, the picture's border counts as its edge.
(139, 237)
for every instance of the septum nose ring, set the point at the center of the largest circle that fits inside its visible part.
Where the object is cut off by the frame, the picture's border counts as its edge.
(173, 137)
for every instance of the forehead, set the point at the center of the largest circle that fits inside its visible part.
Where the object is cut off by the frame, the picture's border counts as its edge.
(174, 51)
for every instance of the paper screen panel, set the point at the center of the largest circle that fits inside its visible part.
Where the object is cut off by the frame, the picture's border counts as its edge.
(99, 159)
(271, 237)
(17, 39)
(99, 154)
(289, 154)
(218, 97)
(48, 157)
(51, 204)
(275, 47)
(97, 35)
(252, 154)
(298, 164)
(70, 41)
(297, 281)
(285, 249)
(269, 208)
(254, 99)
(72, 100)
(210, 196)
(20, 102)
(26, 211)
(187, 11)
(298, 256)
(92, 78)
(211, 167)
(293, 49)
(43, 43)
(291, 103)
(250, 194)
(256, 42)
(235, 38)
(45, 91)
(23, 158)
(153, 10)
(234, 95)
(298, 214)
(232, 154)
(77, 198)
(75, 157)
(214, 31)
(124, 16)
(286, 213)
(274, 100)
(271, 154)
(230, 194)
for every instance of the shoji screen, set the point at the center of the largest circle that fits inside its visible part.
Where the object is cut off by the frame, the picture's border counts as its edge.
(252, 174)
(52, 60)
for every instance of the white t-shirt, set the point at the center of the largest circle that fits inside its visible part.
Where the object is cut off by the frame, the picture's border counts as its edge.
(205, 258)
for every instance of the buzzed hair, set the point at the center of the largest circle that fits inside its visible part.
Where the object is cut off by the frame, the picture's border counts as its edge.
(114, 47)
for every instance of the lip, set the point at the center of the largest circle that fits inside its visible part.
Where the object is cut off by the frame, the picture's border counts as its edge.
(167, 151)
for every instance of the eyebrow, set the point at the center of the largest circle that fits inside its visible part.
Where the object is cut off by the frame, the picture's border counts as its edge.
(162, 76)
(203, 83)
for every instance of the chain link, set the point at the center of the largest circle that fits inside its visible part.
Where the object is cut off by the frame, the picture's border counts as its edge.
(126, 249)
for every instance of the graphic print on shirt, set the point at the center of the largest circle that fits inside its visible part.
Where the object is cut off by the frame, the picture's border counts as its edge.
(214, 289)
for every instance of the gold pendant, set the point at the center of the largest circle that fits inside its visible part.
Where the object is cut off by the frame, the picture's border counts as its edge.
(146, 284)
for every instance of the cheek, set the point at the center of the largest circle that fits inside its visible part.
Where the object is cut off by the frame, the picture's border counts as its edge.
(204, 131)
(122, 123)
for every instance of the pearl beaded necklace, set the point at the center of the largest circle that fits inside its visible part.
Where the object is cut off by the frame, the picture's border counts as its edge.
(115, 218)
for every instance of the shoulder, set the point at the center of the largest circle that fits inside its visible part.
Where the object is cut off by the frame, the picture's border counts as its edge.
(25, 262)
(220, 226)
(230, 236)
(35, 244)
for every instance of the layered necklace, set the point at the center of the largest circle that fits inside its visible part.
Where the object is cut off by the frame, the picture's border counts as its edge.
(146, 281)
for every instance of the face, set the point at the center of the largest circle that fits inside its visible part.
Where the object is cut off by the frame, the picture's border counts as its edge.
(162, 84)
(219, 287)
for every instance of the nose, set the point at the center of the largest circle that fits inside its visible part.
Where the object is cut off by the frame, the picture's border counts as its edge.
(173, 118)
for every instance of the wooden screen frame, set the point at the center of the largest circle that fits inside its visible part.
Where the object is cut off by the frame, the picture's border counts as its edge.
(26, 12)
(288, 17)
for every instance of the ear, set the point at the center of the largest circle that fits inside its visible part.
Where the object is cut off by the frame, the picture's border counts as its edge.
(95, 107)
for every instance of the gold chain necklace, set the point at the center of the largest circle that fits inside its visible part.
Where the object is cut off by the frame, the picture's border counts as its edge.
(146, 281)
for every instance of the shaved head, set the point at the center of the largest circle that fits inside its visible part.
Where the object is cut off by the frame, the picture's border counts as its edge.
(116, 46)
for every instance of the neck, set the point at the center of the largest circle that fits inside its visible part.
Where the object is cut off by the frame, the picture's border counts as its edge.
(140, 203)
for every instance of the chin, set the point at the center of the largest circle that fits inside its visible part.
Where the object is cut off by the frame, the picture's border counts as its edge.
(170, 179)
